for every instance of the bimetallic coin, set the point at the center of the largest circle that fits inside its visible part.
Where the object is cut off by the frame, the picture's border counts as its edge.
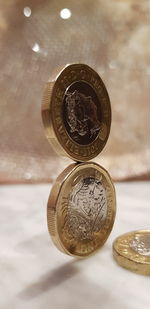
(81, 209)
(132, 251)
(76, 112)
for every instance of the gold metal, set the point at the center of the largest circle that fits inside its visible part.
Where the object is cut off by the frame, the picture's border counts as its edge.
(76, 112)
(81, 209)
(132, 251)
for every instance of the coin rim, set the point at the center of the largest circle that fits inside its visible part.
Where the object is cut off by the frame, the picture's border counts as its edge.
(49, 117)
(53, 204)
(128, 261)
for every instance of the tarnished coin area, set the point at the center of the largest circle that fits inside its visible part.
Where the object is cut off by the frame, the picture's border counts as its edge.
(85, 210)
(141, 244)
(82, 113)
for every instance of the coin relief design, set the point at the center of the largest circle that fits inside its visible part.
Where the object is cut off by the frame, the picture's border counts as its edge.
(87, 209)
(81, 209)
(76, 112)
(141, 244)
(82, 115)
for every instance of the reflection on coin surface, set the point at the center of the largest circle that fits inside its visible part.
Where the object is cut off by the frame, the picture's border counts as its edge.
(76, 112)
(81, 209)
(132, 251)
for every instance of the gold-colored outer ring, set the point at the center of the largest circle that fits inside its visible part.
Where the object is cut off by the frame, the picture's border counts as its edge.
(55, 129)
(126, 257)
(55, 194)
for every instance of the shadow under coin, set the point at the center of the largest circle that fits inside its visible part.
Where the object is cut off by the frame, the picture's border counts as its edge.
(50, 280)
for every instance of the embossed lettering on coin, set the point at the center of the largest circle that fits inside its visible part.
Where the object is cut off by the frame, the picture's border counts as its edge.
(87, 209)
(76, 112)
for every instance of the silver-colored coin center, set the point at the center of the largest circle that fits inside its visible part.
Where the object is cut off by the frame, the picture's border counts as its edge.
(141, 244)
(87, 208)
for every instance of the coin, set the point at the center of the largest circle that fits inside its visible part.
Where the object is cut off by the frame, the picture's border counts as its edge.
(132, 251)
(81, 209)
(76, 112)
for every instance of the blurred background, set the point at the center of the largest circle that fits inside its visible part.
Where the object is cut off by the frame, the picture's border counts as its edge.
(113, 37)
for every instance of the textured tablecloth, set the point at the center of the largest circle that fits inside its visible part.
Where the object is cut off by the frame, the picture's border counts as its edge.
(34, 274)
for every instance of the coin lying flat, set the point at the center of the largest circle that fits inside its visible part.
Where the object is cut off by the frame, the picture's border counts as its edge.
(81, 209)
(132, 251)
(76, 112)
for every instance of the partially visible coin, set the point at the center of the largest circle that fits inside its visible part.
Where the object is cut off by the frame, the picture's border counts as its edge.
(76, 112)
(132, 251)
(81, 209)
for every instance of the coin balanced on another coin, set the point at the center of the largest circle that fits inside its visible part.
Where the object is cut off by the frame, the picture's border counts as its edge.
(76, 114)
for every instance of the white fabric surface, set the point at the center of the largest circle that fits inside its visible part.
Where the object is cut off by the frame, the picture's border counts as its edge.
(34, 274)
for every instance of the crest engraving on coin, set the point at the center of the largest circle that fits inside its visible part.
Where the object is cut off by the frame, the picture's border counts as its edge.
(82, 113)
(76, 112)
(87, 209)
(81, 209)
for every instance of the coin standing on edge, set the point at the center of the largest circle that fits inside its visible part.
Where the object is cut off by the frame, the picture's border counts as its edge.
(132, 251)
(81, 209)
(76, 112)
